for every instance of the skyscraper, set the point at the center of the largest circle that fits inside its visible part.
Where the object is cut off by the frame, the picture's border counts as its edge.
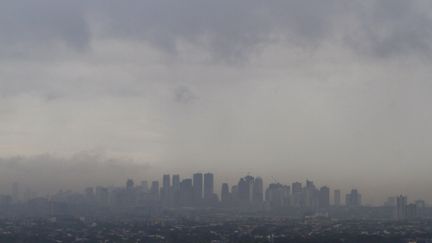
(311, 195)
(400, 211)
(258, 190)
(155, 189)
(166, 190)
(176, 181)
(175, 190)
(144, 186)
(296, 187)
(129, 184)
(337, 197)
(297, 194)
(353, 199)
(275, 195)
(186, 192)
(225, 193)
(166, 182)
(197, 187)
(208, 186)
(324, 197)
(243, 190)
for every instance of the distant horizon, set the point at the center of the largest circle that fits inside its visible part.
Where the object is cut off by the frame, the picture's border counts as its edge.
(336, 91)
(110, 165)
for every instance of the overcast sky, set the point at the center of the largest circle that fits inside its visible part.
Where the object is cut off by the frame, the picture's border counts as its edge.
(335, 91)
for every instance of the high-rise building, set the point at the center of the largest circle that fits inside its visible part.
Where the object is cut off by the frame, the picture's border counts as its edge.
(176, 181)
(197, 187)
(296, 187)
(353, 199)
(176, 189)
(258, 191)
(225, 193)
(208, 186)
(144, 186)
(130, 196)
(154, 191)
(310, 184)
(411, 211)
(337, 197)
(247, 189)
(129, 184)
(311, 195)
(400, 211)
(166, 182)
(166, 190)
(297, 194)
(277, 195)
(235, 193)
(243, 190)
(324, 197)
(186, 192)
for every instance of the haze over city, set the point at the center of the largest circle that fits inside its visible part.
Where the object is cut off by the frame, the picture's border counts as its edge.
(96, 92)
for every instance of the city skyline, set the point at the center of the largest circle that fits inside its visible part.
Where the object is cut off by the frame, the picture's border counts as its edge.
(250, 189)
(218, 121)
(336, 91)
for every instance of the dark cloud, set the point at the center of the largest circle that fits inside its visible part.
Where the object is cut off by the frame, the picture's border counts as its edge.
(235, 29)
(183, 94)
(393, 28)
(42, 23)
(229, 30)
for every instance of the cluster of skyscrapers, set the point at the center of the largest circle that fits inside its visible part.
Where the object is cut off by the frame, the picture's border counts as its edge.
(199, 190)
(248, 194)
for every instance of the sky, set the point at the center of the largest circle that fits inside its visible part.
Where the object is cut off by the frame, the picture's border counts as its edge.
(334, 91)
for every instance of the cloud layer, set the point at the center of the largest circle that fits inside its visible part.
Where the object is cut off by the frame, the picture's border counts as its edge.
(299, 88)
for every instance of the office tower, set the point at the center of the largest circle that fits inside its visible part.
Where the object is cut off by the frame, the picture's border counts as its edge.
(296, 187)
(129, 184)
(144, 186)
(297, 194)
(166, 181)
(186, 192)
(129, 196)
(311, 195)
(411, 211)
(243, 190)
(165, 194)
(353, 199)
(400, 211)
(225, 193)
(235, 193)
(337, 197)
(420, 203)
(277, 195)
(310, 184)
(324, 197)
(176, 181)
(155, 189)
(258, 191)
(175, 190)
(208, 186)
(197, 187)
